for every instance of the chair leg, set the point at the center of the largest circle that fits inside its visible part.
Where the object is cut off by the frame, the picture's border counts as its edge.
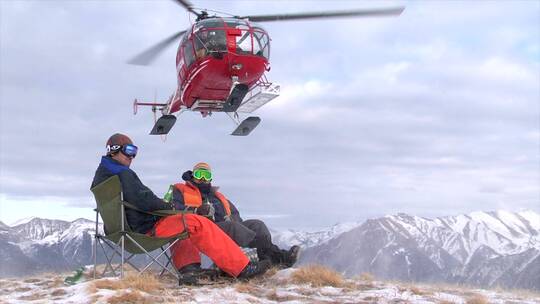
(96, 239)
(94, 252)
(169, 261)
(122, 264)
(99, 240)
(128, 262)
(154, 260)
(109, 260)
(115, 251)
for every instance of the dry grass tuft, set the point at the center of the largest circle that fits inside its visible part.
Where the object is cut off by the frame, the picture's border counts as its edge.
(145, 282)
(246, 288)
(273, 296)
(272, 271)
(414, 290)
(32, 297)
(366, 277)
(445, 302)
(31, 280)
(477, 299)
(91, 288)
(417, 291)
(94, 298)
(58, 292)
(372, 299)
(22, 289)
(128, 297)
(106, 284)
(317, 276)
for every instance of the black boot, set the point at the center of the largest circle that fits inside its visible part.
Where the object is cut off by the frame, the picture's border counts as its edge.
(189, 274)
(192, 273)
(291, 256)
(254, 269)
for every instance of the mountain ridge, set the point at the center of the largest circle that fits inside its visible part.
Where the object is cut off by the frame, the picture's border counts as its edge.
(482, 248)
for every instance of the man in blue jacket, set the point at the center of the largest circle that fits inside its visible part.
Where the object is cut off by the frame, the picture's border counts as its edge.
(204, 234)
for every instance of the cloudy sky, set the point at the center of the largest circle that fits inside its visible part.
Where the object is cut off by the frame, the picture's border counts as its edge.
(435, 112)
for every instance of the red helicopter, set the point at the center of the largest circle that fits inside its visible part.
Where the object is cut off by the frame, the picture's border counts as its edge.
(221, 64)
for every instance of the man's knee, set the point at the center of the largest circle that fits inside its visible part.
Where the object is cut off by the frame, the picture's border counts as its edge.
(258, 226)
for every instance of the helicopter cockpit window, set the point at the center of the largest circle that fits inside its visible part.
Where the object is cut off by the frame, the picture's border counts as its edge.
(209, 23)
(189, 55)
(235, 23)
(209, 41)
(261, 43)
(243, 43)
(243, 39)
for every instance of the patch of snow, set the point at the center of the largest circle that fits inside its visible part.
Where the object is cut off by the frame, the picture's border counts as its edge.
(22, 221)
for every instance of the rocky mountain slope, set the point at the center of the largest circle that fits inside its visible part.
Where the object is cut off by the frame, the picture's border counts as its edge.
(482, 248)
(43, 245)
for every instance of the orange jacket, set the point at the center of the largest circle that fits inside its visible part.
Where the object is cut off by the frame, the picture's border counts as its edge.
(193, 197)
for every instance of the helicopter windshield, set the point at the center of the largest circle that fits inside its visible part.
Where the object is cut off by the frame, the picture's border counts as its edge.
(209, 37)
(243, 38)
(261, 43)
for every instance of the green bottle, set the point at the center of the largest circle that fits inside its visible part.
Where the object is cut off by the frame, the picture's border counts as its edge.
(75, 278)
(168, 196)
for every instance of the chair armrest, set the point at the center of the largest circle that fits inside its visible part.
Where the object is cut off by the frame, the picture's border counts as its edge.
(155, 212)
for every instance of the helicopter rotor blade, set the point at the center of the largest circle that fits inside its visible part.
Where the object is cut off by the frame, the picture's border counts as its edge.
(316, 15)
(149, 55)
(187, 5)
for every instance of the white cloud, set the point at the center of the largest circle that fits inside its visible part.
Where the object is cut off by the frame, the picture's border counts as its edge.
(438, 107)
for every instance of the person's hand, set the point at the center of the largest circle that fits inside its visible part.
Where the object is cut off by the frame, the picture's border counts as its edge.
(206, 210)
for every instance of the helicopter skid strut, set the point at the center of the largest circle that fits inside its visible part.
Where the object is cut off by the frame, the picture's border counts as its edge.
(163, 125)
(246, 126)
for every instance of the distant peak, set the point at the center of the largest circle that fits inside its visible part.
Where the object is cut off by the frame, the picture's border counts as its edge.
(22, 221)
(82, 220)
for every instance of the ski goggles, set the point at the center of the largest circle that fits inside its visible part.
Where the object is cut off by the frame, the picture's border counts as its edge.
(202, 174)
(128, 150)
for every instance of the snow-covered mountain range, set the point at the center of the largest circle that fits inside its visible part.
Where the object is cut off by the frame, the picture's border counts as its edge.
(483, 248)
(37, 244)
(498, 248)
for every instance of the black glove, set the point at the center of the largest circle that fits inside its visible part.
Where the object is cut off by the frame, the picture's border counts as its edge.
(206, 210)
(187, 176)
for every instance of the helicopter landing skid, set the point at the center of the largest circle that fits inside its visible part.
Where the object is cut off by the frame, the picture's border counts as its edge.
(246, 126)
(163, 125)
(238, 93)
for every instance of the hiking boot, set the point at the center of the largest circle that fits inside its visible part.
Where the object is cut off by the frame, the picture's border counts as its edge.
(291, 256)
(254, 269)
(192, 274)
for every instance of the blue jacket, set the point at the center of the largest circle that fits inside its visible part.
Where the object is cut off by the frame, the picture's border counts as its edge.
(135, 193)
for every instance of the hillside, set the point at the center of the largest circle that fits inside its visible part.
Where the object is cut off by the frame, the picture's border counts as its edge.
(312, 284)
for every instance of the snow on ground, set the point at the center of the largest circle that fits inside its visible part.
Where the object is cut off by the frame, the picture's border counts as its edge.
(285, 286)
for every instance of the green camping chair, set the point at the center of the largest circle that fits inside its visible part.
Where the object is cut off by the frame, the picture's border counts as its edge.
(120, 238)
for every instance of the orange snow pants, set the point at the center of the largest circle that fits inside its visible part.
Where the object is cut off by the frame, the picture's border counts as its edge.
(205, 237)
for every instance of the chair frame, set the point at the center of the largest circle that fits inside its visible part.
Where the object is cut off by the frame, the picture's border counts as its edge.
(119, 248)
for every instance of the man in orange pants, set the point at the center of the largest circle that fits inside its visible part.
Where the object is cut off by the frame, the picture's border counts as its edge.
(204, 234)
